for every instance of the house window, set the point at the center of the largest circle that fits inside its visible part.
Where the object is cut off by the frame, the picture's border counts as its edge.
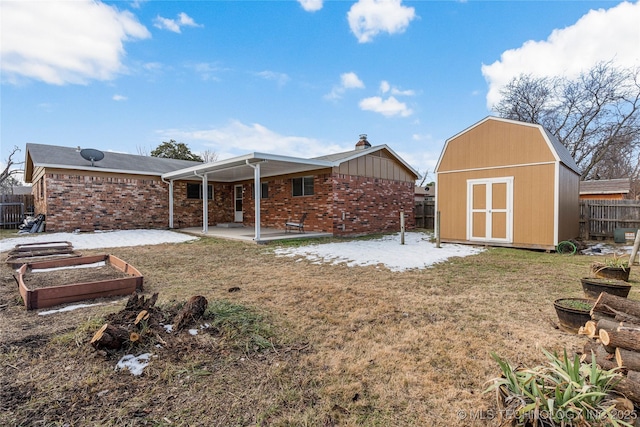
(194, 191)
(264, 191)
(303, 186)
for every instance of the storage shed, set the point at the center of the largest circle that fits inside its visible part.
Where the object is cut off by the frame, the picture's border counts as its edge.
(503, 182)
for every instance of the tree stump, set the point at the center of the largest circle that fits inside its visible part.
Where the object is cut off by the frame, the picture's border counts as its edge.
(192, 310)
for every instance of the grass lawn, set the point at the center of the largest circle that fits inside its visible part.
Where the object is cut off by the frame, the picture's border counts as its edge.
(299, 344)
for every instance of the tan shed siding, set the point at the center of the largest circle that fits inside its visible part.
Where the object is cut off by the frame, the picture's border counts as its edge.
(569, 205)
(533, 203)
(376, 167)
(494, 143)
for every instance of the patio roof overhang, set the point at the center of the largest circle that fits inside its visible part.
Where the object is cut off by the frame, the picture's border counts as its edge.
(239, 168)
(250, 166)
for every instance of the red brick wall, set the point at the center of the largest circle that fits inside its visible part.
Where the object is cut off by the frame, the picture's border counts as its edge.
(341, 204)
(103, 202)
(370, 205)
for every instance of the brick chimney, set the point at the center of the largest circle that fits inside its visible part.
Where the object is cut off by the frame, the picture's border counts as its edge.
(363, 143)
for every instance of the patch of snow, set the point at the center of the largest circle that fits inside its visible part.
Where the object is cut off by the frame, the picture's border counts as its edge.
(98, 240)
(193, 331)
(168, 328)
(417, 252)
(69, 267)
(67, 308)
(135, 364)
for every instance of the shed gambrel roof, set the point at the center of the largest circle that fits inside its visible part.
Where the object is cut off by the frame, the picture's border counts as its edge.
(57, 157)
(558, 150)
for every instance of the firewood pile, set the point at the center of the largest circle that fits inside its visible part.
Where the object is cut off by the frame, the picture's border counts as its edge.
(614, 340)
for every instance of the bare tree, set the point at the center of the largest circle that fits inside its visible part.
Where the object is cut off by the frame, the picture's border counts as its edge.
(209, 156)
(7, 175)
(597, 116)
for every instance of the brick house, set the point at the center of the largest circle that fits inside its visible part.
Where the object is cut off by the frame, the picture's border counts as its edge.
(357, 192)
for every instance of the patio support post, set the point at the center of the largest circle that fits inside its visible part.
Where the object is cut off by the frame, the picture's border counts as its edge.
(256, 197)
(171, 204)
(205, 202)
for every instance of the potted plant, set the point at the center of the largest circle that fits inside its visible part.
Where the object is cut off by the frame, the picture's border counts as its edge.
(573, 313)
(615, 267)
(594, 286)
(560, 392)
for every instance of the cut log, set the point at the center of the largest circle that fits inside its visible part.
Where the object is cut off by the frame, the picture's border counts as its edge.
(605, 360)
(627, 339)
(590, 328)
(109, 337)
(611, 304)
(628, 359)
(192, 310)
(629, 389)
(597, 316)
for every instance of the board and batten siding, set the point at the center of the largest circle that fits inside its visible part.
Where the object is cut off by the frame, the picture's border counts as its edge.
(377, 165)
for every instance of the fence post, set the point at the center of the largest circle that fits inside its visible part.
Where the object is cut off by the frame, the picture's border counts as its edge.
(437, 227)
(402, 228)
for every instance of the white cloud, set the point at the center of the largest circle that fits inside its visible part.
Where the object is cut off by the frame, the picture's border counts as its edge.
(117, 97)
(280, 78)
(387, 107)
(65, 42)
(600, 35)
(385, 87)
(175, 25)
(347, 81)
(368, 18)
(237, 138)
(311, 5)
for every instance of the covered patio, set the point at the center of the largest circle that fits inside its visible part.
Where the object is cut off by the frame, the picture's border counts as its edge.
(247, 234)
(251, 166)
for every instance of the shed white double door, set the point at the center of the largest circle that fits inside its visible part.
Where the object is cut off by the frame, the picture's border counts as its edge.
(490, 210)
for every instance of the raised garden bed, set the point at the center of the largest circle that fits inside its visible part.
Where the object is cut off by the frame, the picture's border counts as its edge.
(70, 283)
(593, 286)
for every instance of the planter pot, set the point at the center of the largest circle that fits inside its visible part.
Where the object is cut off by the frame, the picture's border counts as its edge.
(570, 315)
(618, 273)
(593, 287)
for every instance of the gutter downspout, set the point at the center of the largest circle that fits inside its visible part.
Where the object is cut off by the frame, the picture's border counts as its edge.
(170, 182)
(205, 202)
(257, 189)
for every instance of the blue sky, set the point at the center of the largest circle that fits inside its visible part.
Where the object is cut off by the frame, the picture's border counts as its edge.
(299, 78)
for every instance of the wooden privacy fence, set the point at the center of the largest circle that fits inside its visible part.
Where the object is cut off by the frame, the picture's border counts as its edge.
(424, 213)
(600, 218)
(13, 209)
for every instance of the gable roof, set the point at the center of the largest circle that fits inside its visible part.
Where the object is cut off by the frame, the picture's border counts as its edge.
(237, 168)
(559, 151)
(228, 170)
(606, 186)
(57, 157)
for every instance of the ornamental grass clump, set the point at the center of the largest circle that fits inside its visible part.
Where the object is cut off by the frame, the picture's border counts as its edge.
(560, 393)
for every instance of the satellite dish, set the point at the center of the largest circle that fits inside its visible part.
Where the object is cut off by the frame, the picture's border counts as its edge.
(92, 155)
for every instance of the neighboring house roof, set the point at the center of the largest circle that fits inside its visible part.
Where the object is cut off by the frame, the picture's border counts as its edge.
(558, 150)
(606, 186)
(57, 157)
(427, 191)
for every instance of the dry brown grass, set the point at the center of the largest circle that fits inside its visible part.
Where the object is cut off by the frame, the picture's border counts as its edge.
(351, 345)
